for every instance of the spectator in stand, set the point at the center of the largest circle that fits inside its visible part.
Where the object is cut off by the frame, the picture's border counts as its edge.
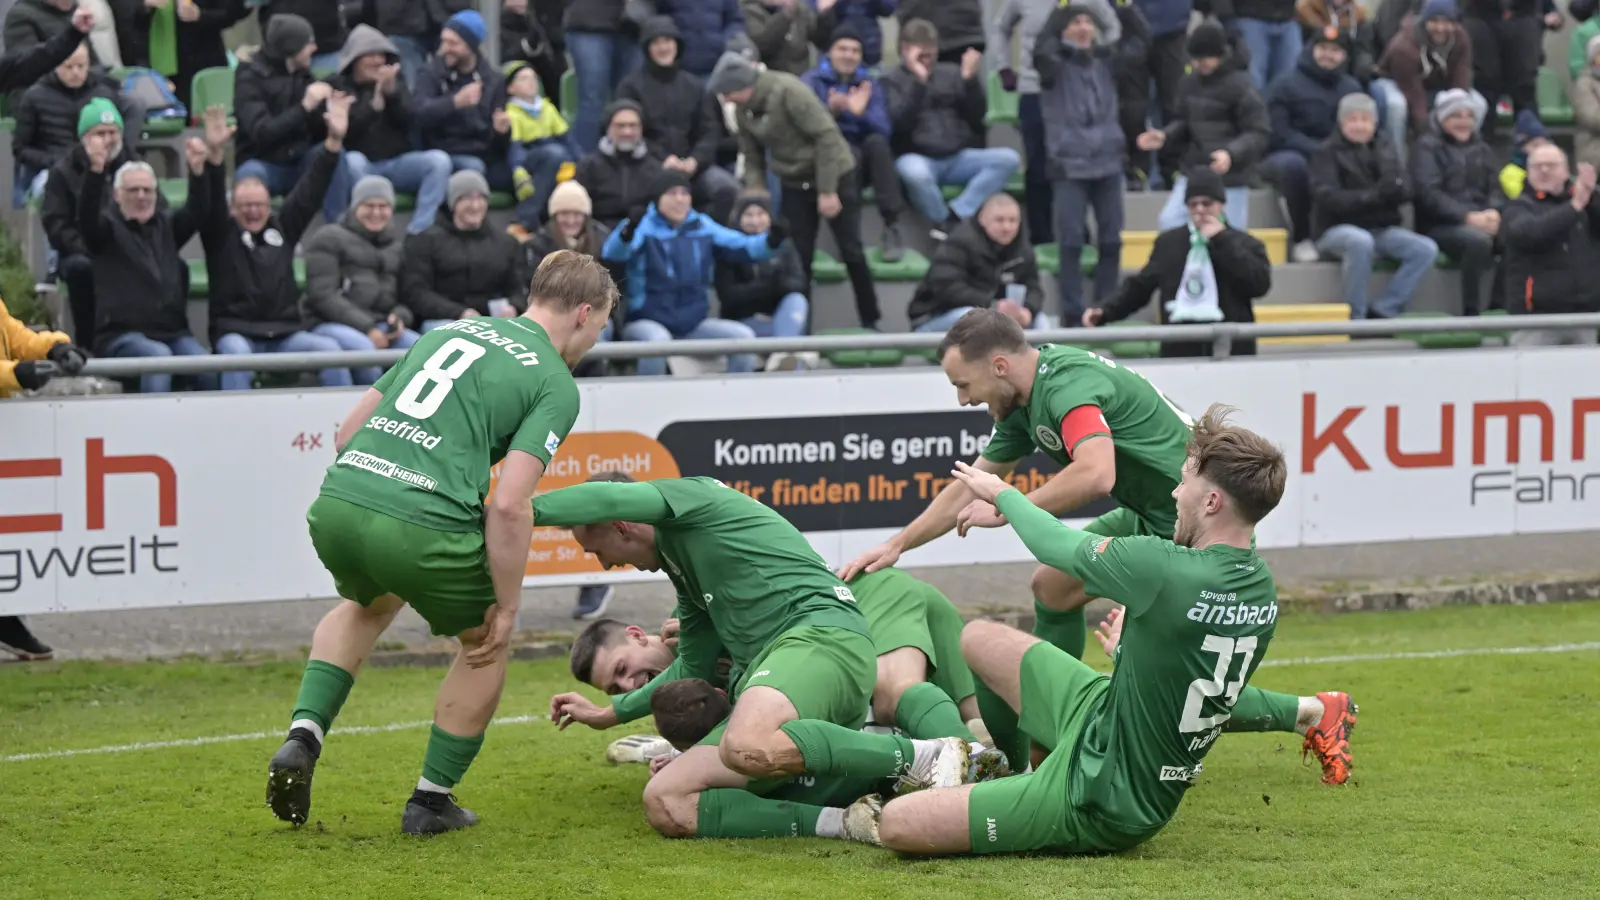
(379, 142)
(863, 16)
(1507, 39)
(1361, 44)
(48, 117)
(256, 304)
(413, 25)
(279, 107)
(540, 144)
(34, 23)
(937, 110)
(103, 38)
(1586, 106)
(141, 285)
(461, 102)
(1204, 271)
(604, 51)
(1304, 105)
(957, 27)
(1453, 176)
(571, 226)
(462, 268)
(860, 108)
(1431, 53)
(353, 277)
(1084, 142)
(1127, 33)
(1387, 19)
(707, 27)
(1168, 58)
(1359, 187)
(671, 253)
(1552, 239)
(178, 38)
(768, 297)
(684, 122)
(622, 173)
(985, 263)
(1527, 135)
(21, 66)
(28, 360)
(782, 31)
(1271, 34)
(328, 28)
(1023, 20)
(1222, 125)
(782, 125)
(535, 36)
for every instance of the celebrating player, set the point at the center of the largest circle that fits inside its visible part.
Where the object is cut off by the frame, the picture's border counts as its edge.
(402, 519)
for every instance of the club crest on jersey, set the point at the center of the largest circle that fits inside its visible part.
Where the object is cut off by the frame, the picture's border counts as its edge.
(1047, 437)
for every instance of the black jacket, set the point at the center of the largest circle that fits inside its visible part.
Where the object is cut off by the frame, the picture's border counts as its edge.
(1221, 111)
(960, 22)
(465, 132)
(969, 269)
(140, 283)
(328, 27)
(1243, 272)
(1130, 58)
(253, 291)
(47, 118)
(1449, 179)
(1304, 104)
(22, 66)
(34, 23)
(1264, 10)
(445, 272)
(274, 126)
(1552, 260)
(939, 118)
(617, 183)
(1356, 184)
(353, 275)
(414, 18)
(680, 117)
(754, 289)
(59, 210)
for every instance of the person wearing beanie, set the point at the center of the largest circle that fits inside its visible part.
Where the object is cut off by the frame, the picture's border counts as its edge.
(1304, 108)
(279, 106)
(541, 144)
(1551, 235)
(1359, 188)
(328, 29)
(768, 296)
(620, 175)
(860, 109)
(1507, 38)
(1222, 125)
(782, 33)
(1585, 95)
(1205, 270)
(462, 267)
(1454, 175)
(1350, 19)
(684, 122)
(571, 226)
(1430, 53)
(55, 113)
(461, 102)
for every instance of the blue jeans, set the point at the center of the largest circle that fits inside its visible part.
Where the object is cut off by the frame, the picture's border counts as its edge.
(1274, 48)
(707, 330)
(981, 173)
(600, 60)
(279, 178)
(543, 163)
(133, 344)
(414, 53)
(298, 342)
(1355, 247)
(944, 320)
(788, 320)
(425, 173)
(498, 174)
(1074, 198)
(1175, 213)
(1393, 114)
(350, 339)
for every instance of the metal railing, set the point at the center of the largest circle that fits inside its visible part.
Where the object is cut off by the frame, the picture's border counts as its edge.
(1221, 335)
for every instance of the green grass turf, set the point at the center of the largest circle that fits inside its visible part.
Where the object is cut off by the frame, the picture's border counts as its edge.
(1474, 778)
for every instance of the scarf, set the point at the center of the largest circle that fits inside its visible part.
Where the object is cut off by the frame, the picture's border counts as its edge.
(1197, 299)
(534, 107)
(1434, 56)
(164, 39)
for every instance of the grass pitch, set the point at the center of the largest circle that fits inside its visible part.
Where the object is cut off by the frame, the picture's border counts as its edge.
(1474, 778)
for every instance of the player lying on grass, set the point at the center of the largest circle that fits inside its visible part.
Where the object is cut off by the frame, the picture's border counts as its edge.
(751, 589)
(402, 519)
(1122, 437)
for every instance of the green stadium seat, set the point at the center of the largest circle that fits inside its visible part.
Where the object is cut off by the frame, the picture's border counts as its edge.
(176, 190)
(8, 124)
(911, 267)
(404, 202)
(569, 95)
(1017, 184)
(164, 128)
(1555, 105)
(210, 87)
(857, 359)
(1443, 340)
(1133, 349)
(502, 200)
(199, 280)
(826, 270)
(1048, 258)
(1003, 104)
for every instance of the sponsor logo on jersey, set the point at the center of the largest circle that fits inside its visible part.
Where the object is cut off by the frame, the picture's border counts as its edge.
(1047, 437)
(380, 466)
(843, 593)
(761, 673)
(1203, 741)
(1229, 612)
(992, 829)
(552, 443)
(405, 431)
(1101, 547)
(1185, 774)
(489, 335)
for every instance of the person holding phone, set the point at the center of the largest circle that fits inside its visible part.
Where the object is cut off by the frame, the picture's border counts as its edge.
(985, 263)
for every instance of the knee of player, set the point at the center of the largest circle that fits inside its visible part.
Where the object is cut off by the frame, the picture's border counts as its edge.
(750, 756)
(896, 828)
(671, 813)
(977, 635)
(1056, 589)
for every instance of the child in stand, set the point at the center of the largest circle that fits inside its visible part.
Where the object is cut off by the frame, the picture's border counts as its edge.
(540, 146)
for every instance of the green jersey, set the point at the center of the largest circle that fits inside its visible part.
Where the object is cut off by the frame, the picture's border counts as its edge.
(462, 397)
(743, 574)
(1197, 625)
(1150, 433)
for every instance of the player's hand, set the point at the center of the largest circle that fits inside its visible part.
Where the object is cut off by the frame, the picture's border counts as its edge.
(882, 556)
(984, 485)
(669, 633)
(574, 707)
(1109, 634)
(501, 620)
(978, 514)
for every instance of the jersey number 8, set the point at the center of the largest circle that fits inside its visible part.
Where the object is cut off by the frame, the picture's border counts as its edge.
(428, 388)
(1202, 689)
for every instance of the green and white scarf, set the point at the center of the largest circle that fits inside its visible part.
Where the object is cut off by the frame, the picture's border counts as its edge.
(1197, 291)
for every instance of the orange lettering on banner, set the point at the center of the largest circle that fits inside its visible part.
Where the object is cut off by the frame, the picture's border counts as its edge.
(97, 465)
(30, 468)
(1313, 444)
(1446, 455)
(1513, 411)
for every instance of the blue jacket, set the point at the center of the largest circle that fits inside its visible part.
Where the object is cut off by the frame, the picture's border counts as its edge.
(464, 132)
(1304, 103)
(864, 16)
(670, 269)
(1078, 101)
(1166, 16)
(704, 27)
(823, 79)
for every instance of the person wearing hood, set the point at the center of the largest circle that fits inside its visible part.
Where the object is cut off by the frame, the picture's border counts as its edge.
(1304, 106)
(782, 31)
(541, 144)
(709, 28)
(48, 117)
(684, 122)
(1453, 175)
(353, 277)
(328, 29)
(1222, 125)
(1432, 52)
(985, 263)
(1527, 135)
(1507, 39)
(279, 106)
(461, 268)
(671, 253)
(381, 119)
(1586, 106)
(1552, 240)
(461, 102)
(1359, 186)
(622, 172)
(768, 296)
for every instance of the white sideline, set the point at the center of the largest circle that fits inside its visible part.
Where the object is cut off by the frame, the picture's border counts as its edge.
(523, 720)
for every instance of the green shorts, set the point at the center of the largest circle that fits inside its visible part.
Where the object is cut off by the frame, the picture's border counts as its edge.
(1122, 522)
(819, 790)
(826, 672)
(443, 575)
(922, 617)
(1060, 696)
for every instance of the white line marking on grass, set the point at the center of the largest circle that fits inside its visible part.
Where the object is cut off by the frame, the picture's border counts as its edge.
(523, 720)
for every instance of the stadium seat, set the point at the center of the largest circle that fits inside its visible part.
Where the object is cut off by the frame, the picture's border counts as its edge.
(1003, 104)
(826, 270)
(1304, 312)
(569, 95)
(200, 277)
(404, 202)
(911, 267)
(1136, 246)
(7, 123)
(1132, 349)
(1443, 340)
(210, 87)
(502, 200)
(176, 190)
(1048, 258)
(857, 359)
(1555, 105)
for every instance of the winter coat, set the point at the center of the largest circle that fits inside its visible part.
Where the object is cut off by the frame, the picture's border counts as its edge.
(863, 15)
(1578, 48)
(1028, 18)
(783, 40)
(1238, 259)
(960, 22)
(33, 23)
(548, 240)
(705, 26)
(1130, 57)
(461, 132)
(1260, 10)
(47, 119)
(1357, 184)
(1352, 20)
(1552, 255)
(1403, 62)
(58, 212)
(22, 67)
(328, 27)
(140, 283)
(418, 18)
(755, 289)
(969, 269)
(19, 343)
(1585, 95)
(785, 121)
(680, 118)
(1078, 101)
(618, 183)
(1304, 104)
(274, 126)
(670, 268)
(1221, 111)
(253, 289)
(939, 118)
(601, 16)
(376, 135)
(1388, 19)
(353, 275)
(446, 271)
(823, 80)
(1450, 179)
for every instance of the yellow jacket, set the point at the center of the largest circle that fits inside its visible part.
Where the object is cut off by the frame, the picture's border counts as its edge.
(19, 343)
(526, 127)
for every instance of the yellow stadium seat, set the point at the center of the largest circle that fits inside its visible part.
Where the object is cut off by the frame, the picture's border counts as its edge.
(1304, 312)
(1136, 246)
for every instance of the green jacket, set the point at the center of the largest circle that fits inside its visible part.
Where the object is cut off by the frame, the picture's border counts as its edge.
(786, 120)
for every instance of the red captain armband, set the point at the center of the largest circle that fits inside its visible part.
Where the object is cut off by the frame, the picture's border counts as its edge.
(1080, 423)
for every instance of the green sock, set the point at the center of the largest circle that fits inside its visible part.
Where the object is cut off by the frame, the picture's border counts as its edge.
(448, 757)
(1066, 631)
(323, 689)
(730, 813)
(1259, 710)
(1001, 720)
(830, 749)
(926, 711)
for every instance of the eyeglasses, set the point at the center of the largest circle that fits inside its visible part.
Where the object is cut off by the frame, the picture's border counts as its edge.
(137, 190)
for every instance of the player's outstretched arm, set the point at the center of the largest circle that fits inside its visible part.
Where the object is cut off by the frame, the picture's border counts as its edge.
(602, 501)
(935, 521)
(364, 408)
(507, 531)
(1050, 542)
(1092, 475)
